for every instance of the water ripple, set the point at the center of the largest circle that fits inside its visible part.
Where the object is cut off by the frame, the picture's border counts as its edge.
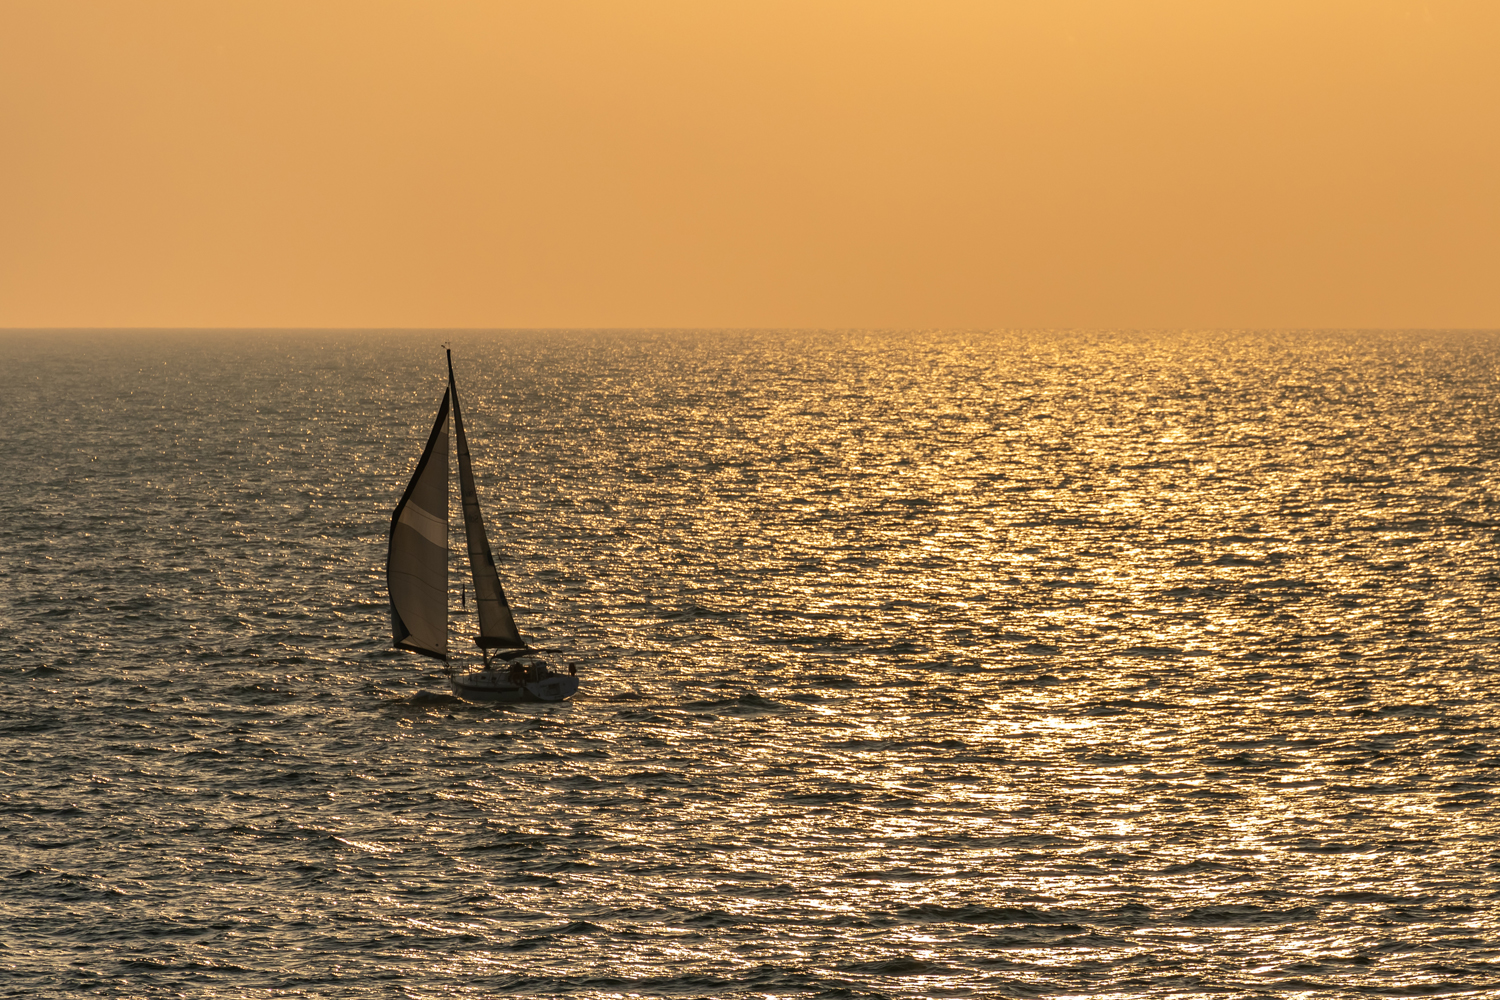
(916, 665)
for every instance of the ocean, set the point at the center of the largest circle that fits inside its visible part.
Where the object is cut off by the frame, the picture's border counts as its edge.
(915, 664)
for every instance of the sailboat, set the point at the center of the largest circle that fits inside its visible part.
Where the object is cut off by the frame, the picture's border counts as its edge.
(416, 573)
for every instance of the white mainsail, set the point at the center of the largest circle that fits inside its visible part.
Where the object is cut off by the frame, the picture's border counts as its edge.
(416, 563)
(497, 627)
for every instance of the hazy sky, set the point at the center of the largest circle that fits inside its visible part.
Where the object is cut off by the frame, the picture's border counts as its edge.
(1135, 163)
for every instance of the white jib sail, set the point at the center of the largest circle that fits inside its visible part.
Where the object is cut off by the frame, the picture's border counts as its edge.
(416, 566)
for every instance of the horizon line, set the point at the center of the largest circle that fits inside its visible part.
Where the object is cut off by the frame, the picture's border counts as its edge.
(701, 329)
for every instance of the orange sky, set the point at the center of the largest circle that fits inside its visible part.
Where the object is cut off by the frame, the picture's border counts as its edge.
(997, 163)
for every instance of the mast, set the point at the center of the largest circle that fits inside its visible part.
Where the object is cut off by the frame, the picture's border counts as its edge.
(416, 559)
(497, 627)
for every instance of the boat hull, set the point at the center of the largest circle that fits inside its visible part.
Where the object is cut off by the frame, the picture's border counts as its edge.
(496, 686)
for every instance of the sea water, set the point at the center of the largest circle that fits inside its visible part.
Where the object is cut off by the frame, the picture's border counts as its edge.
(914, 665)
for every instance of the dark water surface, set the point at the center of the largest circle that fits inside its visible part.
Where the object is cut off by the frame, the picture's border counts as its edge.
(916, 665)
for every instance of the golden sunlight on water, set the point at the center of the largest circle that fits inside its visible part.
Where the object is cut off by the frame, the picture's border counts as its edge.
(914, 664)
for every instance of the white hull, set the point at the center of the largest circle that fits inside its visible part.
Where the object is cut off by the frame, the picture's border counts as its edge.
(495, 685)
